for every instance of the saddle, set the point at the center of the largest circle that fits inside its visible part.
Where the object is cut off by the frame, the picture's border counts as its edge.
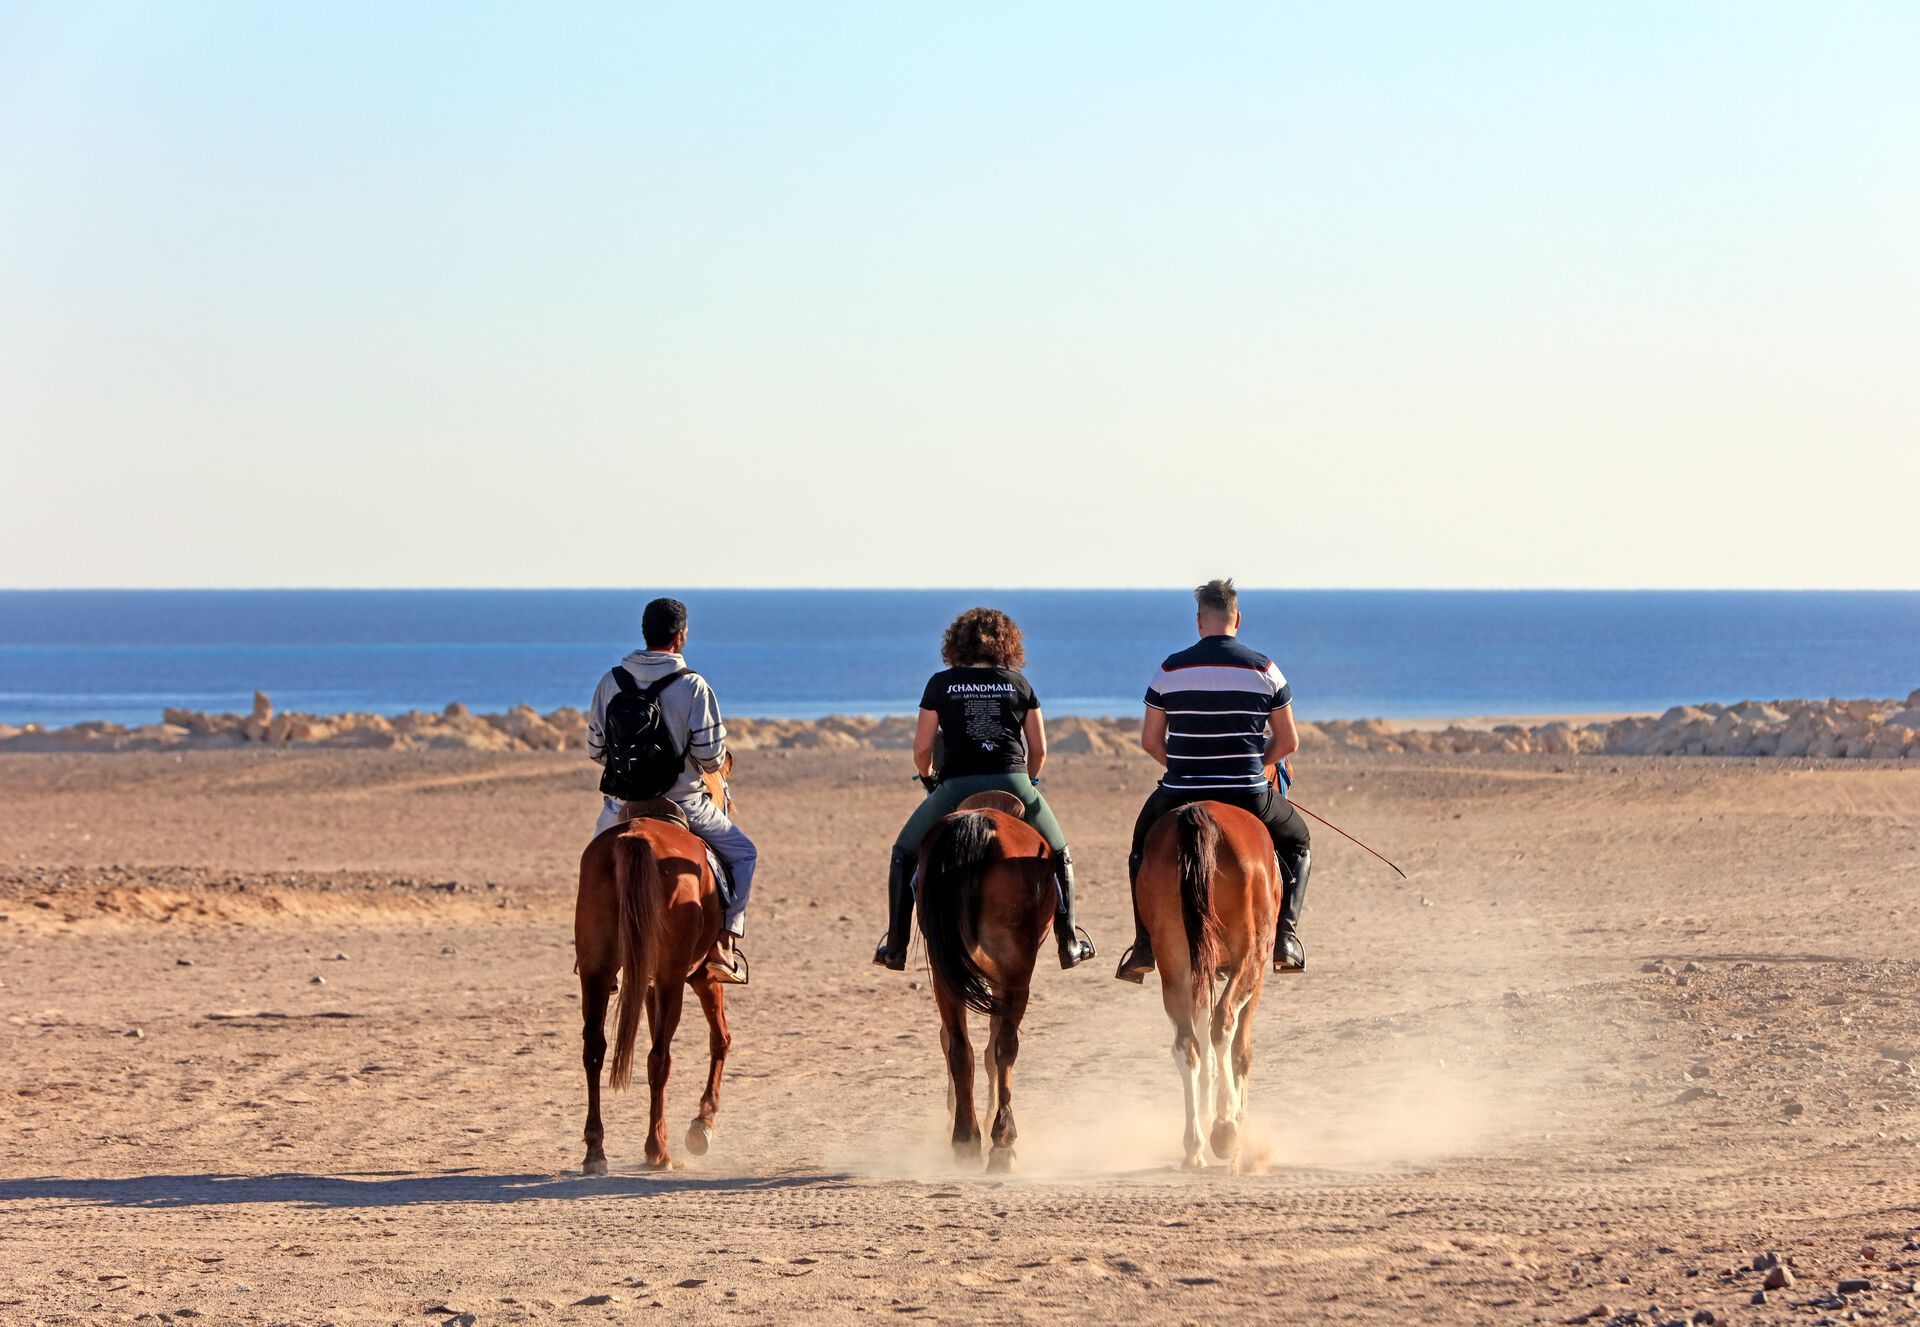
(665, 808)
(655, 808)
(1003, 802)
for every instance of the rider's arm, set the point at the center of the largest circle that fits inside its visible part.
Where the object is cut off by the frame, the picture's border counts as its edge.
(1153, 734)
(923, 743)
(706, 733)
(1284, 740)
(597, 719)
(1036, 733)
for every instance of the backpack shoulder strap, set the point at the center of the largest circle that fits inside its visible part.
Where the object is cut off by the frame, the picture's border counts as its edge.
(658, 685)
(624, 680)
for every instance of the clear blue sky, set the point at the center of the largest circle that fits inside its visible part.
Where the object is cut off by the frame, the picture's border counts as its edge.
(1380, 294)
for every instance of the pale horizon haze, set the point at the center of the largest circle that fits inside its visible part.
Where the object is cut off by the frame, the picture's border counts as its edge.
(1473, 295)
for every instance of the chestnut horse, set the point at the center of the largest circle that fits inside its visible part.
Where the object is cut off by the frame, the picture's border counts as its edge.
(1209, 895)
(648, 911)
(986, 902)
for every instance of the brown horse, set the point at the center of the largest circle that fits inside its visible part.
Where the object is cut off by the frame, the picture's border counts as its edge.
(648, 911)
(986, 902)
(1209, 895)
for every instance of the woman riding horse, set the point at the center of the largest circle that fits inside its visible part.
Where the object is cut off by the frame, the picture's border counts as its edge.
(988, 720)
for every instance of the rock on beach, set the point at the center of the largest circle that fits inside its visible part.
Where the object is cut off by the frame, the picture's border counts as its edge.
(1802, 729)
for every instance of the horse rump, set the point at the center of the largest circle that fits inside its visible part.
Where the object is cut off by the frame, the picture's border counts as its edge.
(950, 866)
(1197, 846)
(636, 889)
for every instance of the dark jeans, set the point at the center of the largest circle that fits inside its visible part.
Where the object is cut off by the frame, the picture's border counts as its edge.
(1286, 826)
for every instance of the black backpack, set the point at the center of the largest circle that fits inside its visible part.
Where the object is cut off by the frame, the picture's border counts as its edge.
(642, 760)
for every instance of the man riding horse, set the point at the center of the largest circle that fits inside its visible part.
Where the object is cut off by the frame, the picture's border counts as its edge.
(1217, 714)
(664, 708)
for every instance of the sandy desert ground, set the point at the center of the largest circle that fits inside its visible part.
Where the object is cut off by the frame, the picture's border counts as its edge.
(291, 1036)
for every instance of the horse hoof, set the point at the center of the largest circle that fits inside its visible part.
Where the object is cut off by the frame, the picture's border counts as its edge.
(594, 1165)
(1224, 1140)
(659, 1162)
(1194, 1162)
(699, 1136)
(1000, 1160)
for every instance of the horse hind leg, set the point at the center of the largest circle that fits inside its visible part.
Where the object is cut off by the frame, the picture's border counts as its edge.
(713, 1002)
(1190, 1050)
(1225, 1135)
(1003, 1048)
(990, 1067)
(1241, 1058)
(959, 1051)
(596, 988)
(1229, 1012)
(663, 1007)
(1189, 1061)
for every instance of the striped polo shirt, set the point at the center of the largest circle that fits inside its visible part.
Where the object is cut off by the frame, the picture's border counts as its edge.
(1217, 695)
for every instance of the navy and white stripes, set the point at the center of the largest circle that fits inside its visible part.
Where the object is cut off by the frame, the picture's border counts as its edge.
(1217, 696)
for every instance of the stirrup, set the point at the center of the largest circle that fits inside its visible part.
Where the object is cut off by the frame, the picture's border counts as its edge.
(883, 957)
(737, 975)
(1289, 955)
(1077, 949)
(1133, 969)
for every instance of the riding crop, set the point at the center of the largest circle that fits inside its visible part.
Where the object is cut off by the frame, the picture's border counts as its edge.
(1348, 837)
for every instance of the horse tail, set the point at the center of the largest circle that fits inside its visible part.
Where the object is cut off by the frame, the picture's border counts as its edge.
(637, 889)
(949, 898)
(1197, 839)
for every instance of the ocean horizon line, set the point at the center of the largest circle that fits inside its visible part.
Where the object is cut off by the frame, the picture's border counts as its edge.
(669, 587)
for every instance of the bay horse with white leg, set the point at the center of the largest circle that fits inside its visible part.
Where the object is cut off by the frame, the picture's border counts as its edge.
(648, 911)
(986, 901)
(1209, 896)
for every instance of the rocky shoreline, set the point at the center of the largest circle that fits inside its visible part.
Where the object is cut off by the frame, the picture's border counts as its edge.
(1812, 729)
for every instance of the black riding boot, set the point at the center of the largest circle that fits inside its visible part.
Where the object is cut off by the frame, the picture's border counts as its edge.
(892, 952)
(1076, 946)
(1289, 955)
(1137, 962)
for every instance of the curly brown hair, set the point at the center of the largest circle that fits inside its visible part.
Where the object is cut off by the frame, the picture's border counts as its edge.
(983, 635)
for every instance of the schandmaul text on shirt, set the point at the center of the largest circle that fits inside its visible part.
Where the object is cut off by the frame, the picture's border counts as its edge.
(982, 712)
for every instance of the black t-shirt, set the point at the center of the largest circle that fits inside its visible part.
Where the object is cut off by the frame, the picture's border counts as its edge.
(983, 713)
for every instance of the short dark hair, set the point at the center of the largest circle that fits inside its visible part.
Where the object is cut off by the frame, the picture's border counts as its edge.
(662, 621)
(983, 635)
(1217, 598)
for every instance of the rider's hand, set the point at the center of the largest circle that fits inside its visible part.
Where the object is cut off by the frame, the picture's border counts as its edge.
(927, 782)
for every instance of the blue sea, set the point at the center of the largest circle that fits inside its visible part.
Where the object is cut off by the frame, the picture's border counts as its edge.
(120, 655)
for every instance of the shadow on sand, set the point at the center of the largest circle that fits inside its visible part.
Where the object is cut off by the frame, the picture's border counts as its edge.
(388, 1189)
